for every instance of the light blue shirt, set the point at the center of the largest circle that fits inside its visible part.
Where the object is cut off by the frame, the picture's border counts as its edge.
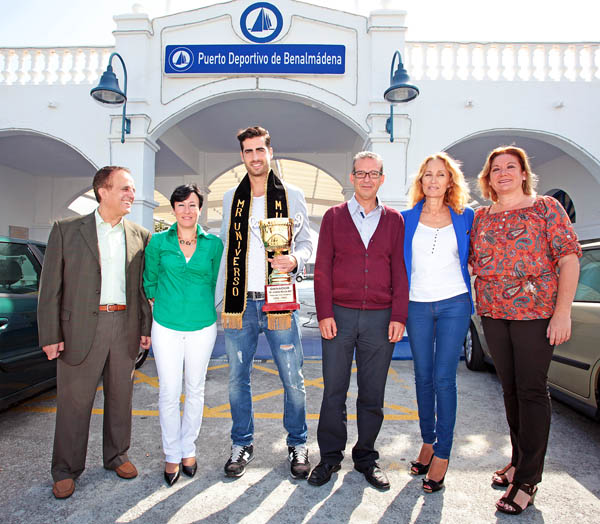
(366, 224)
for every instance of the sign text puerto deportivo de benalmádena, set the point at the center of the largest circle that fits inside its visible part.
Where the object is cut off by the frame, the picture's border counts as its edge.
(256, 58)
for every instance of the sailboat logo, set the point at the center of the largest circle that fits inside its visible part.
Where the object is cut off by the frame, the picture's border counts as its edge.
(261, 22)
(181, 59)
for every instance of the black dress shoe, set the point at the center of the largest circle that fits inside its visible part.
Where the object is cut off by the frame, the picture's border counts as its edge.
(375, 476)
(190, 471)
(171, 478)
(322, 473)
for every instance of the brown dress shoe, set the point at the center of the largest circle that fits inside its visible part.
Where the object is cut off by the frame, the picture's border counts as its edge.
(127, 471)
(63, 489)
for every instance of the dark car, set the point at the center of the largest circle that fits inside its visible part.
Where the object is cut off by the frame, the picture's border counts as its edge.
(574, 374)
(24, 368)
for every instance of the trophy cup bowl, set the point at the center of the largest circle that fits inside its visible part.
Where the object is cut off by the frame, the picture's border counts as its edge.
(277, 235)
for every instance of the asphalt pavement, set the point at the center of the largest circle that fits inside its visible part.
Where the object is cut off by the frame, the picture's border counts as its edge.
(569, 492)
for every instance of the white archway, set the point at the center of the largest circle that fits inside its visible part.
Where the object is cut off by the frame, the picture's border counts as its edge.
(40, 174)
(559, 163)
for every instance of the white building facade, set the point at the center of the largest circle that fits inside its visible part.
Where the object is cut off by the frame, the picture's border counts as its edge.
(314, 77)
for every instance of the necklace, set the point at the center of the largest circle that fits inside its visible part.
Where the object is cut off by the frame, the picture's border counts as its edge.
(186, 242)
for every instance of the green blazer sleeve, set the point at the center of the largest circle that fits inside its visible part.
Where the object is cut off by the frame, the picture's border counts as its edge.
(146, 326)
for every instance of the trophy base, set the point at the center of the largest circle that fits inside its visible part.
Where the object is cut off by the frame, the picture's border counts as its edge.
(289, 306)
(280, 297)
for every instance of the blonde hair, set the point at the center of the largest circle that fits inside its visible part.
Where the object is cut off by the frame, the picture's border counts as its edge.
(528, 184)
(457, 194)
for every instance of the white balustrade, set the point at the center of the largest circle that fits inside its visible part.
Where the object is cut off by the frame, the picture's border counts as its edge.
(503, 61)
(490, 61)
(61, 65)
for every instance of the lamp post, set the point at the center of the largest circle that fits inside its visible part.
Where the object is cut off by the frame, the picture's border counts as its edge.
(109, 92)
(400, 91)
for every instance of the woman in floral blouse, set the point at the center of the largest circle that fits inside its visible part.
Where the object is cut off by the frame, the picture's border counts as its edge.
(524, 254)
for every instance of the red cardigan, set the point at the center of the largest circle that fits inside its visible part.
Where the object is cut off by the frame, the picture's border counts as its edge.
(348, 275)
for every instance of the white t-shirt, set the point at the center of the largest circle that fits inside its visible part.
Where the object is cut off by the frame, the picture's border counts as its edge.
(257, 255)
(435, 270)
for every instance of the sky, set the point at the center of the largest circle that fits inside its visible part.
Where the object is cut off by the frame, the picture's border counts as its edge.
(33, 23)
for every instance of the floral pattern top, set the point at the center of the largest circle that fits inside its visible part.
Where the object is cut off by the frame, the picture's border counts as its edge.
(514, 255)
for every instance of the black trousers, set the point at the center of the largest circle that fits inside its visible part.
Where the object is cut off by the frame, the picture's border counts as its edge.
(522, 356)
(368, 332)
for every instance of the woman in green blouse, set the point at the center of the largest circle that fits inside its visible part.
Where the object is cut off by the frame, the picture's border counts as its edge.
(181, 271)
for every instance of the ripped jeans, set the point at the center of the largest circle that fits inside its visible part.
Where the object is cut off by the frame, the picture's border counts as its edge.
(240, 345)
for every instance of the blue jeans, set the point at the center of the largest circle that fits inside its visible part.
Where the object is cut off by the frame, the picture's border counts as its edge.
(240, 345)
(436, 331)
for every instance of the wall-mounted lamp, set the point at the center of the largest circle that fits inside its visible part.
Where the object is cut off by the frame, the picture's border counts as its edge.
(400, 91)
(109, 92)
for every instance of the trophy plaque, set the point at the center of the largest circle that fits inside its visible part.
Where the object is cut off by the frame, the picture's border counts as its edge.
(277, 235)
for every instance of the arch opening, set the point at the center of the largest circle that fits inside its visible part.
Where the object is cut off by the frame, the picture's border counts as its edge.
(40, 174)
(320, 189)
(563, 169)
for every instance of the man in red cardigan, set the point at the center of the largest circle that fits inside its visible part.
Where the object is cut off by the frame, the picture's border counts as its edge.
(361, 295)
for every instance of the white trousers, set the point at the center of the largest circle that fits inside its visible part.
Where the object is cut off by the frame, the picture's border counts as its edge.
(177, 353)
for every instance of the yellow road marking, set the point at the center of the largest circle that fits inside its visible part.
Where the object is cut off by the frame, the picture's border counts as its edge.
(141, 377)
(220, 366)
(224, 410)
(268, 370)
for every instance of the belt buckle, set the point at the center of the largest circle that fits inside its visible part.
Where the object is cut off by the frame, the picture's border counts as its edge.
(108, 308)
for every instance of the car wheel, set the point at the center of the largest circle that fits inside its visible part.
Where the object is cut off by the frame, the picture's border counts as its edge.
(473, 352)
(299, 278)
(141, 357)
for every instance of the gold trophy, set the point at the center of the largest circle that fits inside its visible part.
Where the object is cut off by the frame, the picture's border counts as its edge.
(277, 235)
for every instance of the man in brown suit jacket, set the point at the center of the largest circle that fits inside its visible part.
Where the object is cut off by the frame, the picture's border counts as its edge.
(89, 261)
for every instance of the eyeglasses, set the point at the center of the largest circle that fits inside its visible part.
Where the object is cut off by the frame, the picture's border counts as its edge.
(371, 174)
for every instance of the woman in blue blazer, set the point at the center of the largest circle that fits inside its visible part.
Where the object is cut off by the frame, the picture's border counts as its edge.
(436, 250)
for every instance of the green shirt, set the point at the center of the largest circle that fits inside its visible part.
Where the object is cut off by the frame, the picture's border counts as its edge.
(183, 292)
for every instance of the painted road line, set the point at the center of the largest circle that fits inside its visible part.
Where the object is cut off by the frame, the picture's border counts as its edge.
(224, 410)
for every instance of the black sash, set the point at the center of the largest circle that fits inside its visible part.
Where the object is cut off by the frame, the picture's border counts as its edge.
(236, 262)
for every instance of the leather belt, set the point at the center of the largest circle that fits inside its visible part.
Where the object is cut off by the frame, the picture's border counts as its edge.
(112, 307)
(255, 295)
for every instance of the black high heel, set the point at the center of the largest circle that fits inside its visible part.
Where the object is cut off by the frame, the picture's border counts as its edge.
(417, 468)
(430, 485)
(190, 471)
(171, 478)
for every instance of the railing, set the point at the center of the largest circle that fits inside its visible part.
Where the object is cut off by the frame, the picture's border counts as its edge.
(61, 65)
(492, 61)
(503, 61)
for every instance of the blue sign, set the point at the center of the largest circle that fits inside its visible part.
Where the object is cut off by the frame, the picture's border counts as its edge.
(288, 59)
(261, 22)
